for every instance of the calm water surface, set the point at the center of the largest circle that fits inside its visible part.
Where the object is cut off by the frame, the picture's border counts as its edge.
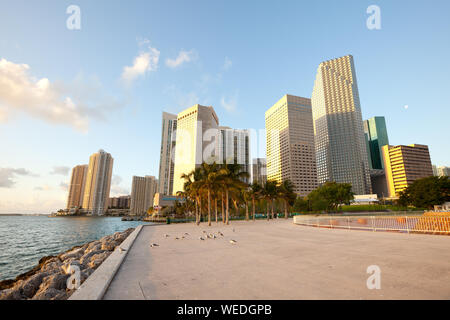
(24, 240)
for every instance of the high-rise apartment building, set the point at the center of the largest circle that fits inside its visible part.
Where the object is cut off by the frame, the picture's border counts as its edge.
(376, 136)
(167, 156)
(290, 144)
(143, 191)
(76, 187)
(441, 171)
(98, 183)
(233, 146)
(405, 164)
(259, 171)
(197, 129)
(122, 202)
(341, 152)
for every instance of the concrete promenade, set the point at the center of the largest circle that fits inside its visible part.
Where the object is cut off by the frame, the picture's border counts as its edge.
(280, 260)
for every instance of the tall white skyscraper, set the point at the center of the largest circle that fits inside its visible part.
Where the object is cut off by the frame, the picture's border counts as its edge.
(143, 191)
(290, 144)
(167, 156)
(76, 187)
(195, 142)
(233, 146)
(341, 153)
(98, 183)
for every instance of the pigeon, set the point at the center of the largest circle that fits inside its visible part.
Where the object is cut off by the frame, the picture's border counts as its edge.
(182, 237)
(220, 233)
(201, 238)
(233, 241)
(176, 238)
(154, 245)
(166, 235)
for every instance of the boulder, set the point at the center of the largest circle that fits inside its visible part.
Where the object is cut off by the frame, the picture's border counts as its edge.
(56, 281)
(97, 259)
(52, 267)
(87, 257)
(110, 246)
(11, 294)
(48, 294)
(29, 287)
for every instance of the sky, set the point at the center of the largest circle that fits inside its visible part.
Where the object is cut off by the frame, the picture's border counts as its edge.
(68, 89)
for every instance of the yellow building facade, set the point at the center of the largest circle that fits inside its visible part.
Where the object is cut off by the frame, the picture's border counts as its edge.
(405, 164)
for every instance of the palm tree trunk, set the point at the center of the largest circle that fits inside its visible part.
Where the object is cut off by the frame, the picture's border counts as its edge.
(223, 207)
(253, 207)
(209, 207)
(227, 207)
(246, 211)
(196, 210)
(215, 205)
(267, 207)
(286, 215)
(200, 215)
(273, 216)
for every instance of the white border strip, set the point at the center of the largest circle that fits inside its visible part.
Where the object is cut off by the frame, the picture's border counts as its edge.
(97, 283)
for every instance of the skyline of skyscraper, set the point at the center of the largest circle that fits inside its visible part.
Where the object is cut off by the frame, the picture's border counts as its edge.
(233, 146)
(194, 136)
(290, 143)
(376, 136)
(259, 171)
(142, 193)
(76, 186)
(98, 183)
(341, 154)
(167, 156)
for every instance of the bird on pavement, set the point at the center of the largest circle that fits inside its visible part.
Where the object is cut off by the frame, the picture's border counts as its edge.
(154, 245)
(201, 238)
(233, 241)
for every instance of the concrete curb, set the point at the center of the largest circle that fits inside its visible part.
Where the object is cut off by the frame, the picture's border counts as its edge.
(96, 285)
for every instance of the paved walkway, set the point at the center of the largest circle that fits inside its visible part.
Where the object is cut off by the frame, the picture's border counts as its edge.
(280, 260)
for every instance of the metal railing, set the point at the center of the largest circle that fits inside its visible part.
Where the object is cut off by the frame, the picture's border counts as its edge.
(406, 224)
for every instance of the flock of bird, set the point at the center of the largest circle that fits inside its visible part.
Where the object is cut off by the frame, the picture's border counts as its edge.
(205, 235)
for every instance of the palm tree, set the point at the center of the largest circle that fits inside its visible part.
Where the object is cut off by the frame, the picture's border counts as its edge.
(255, 193)
(231, 176)
(270, 194)
(209, 181)
(286, 194)
(246, 197)
(192, 187)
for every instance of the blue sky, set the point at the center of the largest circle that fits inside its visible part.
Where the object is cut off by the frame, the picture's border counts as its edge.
(238, 56)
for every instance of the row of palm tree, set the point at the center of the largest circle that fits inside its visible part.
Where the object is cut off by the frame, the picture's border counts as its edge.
(214, 182)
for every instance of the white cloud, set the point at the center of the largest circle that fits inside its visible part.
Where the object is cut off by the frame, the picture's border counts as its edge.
(145, 62)
(71, 104)
(43, 188)
(60, 170)
(227, 64)
(64, 186)
(7, 176)
(229, 104)
(116, 188)
(183, 56)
